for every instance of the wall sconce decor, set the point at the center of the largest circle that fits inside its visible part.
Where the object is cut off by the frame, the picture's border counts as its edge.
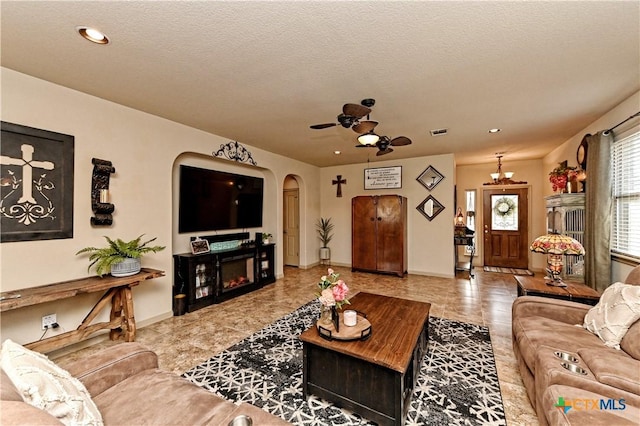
(100, 205)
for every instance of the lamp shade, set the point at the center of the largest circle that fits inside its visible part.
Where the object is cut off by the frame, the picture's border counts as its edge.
(557, 244)
(459, 219)
(368, 138)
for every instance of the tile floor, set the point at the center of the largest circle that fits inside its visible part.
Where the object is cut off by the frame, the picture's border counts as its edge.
(185, 341)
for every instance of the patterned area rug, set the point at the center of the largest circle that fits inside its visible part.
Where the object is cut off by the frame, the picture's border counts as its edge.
(457, 385)
(513, 271)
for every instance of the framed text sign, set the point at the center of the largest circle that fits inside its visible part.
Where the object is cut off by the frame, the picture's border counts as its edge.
(383, 178)
(36, 184)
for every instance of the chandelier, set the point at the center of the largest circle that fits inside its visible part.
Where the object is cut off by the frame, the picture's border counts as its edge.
(500, 178)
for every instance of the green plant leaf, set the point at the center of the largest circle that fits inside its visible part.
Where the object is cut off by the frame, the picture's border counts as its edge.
(324, 228)
(116, 251)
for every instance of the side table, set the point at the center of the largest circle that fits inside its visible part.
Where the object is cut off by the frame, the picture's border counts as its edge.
(574, 291)
(466, 240)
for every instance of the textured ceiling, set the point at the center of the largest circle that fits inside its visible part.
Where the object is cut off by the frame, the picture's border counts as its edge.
(262, 72)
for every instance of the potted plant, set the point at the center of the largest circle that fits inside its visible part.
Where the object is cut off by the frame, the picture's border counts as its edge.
(325, 228)
(265, 237)
(120, 258)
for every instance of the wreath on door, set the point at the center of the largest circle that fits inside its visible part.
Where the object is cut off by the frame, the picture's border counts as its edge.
(504, 207)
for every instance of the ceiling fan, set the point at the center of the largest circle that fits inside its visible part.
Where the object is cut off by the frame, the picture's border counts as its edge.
(351, 117)
(384, 144)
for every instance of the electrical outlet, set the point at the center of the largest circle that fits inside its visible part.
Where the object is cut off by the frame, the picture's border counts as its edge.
(48, 321)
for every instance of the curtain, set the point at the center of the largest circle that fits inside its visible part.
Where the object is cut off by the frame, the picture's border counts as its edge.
(597, 235)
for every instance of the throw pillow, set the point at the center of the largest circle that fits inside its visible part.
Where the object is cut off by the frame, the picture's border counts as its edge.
(45, 385)
(617, 309)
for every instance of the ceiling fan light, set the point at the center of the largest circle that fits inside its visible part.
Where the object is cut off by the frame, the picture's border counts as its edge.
(368, 138)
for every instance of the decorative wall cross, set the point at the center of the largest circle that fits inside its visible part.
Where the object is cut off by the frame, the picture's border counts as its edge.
(36, 184)
(27, 164)
(339, 181)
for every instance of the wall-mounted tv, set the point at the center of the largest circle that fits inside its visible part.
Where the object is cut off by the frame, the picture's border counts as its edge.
(211, 200)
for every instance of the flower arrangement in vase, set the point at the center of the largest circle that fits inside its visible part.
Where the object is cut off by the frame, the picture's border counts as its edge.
(332, 295)
(561, 175)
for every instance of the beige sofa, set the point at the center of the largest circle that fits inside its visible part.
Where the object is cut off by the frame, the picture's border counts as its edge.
(543, 328)
(128, 389)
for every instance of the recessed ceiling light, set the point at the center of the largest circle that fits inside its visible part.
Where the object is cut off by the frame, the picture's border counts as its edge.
(93, 35)
(337, 152)
(496, 130)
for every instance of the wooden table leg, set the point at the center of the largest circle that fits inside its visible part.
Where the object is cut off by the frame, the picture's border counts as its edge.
(116, 312)
(129, 319)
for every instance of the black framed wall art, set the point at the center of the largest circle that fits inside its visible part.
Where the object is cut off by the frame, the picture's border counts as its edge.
(36, 184)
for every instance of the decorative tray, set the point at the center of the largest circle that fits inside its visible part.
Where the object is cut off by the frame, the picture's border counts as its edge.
(336, 330)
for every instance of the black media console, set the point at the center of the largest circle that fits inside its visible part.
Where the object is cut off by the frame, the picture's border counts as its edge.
(222, 274)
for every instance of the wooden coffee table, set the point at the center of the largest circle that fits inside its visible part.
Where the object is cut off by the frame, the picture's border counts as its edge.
(373, 377)
(574, 291)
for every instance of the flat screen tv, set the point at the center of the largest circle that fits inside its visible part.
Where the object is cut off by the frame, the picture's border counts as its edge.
(211, 200)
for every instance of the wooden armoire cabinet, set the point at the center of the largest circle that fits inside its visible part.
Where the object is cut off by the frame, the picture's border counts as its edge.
(379, 234)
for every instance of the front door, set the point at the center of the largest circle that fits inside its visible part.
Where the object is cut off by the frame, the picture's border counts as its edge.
(505, 226)
(291, 247)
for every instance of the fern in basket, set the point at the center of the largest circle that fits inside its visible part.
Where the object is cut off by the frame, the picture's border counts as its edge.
(117, 251)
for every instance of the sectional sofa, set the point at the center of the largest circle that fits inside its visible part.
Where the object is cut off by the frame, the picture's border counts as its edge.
(124, 386)
(581, 364)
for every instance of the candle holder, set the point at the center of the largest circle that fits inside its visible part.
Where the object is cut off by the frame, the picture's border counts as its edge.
(100, 205)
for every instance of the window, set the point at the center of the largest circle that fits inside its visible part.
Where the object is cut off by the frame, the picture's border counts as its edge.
(625, 158)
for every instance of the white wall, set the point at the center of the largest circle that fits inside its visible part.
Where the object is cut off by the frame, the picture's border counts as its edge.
(430, 243)
(144, 150)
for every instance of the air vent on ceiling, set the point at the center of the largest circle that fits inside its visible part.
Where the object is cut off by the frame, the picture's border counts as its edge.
(438, 132)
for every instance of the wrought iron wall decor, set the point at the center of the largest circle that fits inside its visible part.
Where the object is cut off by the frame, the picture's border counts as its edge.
(36, 184)
(430, 207)
(100, 204)
(236, 152)
(430, 178)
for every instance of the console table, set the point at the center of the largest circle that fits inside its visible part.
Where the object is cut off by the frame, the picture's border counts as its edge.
(118, 295)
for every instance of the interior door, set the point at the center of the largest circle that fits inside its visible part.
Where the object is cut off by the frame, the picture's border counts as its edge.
(291, 240)
(505, 226)
(363, 228)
